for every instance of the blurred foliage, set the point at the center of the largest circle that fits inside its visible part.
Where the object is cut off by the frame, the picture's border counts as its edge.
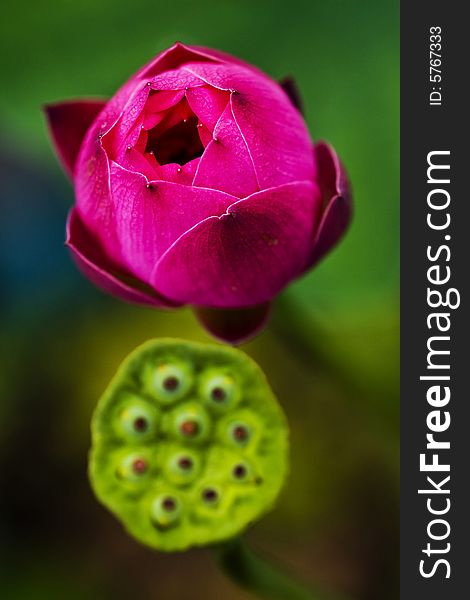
(331, 351)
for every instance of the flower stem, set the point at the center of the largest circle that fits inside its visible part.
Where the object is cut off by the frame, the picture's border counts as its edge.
(258, 576)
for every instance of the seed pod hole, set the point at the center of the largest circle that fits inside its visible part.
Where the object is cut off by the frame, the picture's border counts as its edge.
(189, 428)
(185, 463)
(138, 420)
(191, 422)
(220, 392)
(141, 424)
(171, 381)
(133, 468)
(210, 495)
(239, 471)
(181, 467)
(240, 433)
(139, 466)
(165, 510)
(169, 504)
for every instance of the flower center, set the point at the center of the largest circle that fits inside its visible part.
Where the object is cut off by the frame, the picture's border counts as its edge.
(178, 142)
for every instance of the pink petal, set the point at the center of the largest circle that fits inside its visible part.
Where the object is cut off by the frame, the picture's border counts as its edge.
(182, 174)
(273, 129)
(93, 196)
(208, 104)
(233, 326)
(149, 217)
(210, 54)
(68, 122)
(337, 202)
(205, 135)
(172, 58)
(153, 119)
(201, 53)
(179, 54)
(246, 256)
(161, 101)
(175, 115)
(176, 79)
(97, 268)
(135, 161)
(127, 129)
(226, 164)
(169, 59)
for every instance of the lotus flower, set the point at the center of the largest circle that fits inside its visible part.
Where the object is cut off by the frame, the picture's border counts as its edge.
(197, 183)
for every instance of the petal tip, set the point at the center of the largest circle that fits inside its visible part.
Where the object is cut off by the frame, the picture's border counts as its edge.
(68, 123)
(337, 202)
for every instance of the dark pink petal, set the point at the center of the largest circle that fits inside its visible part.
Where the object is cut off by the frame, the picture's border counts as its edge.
(135, 161)
(129, 100)
(175, 115)
(68, 123)
(93, 195)
(205, 135)
(174, 57)
(208, 104)
(168, 60)
(127, 129)
(226, 164)
(99, 270)
(149, 216)
(212, 55)
(233, 326)
(336, 201)
(177, 79)
(203, 54)
(182, 174)
(153, 119)
(163, 100)
(246, 256)
(273, 129)
(179, 54)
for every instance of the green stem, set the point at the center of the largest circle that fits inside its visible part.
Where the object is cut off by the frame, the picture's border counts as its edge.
(258, 576)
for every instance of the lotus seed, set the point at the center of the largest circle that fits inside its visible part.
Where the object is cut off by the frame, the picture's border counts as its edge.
(139, 466)
(189, 428)
(185, 463)
(239, 471)
(210, 495)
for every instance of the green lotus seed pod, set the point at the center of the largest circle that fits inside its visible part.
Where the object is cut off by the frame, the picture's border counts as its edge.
(189, 445)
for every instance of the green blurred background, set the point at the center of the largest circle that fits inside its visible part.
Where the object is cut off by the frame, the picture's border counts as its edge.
(330, 352)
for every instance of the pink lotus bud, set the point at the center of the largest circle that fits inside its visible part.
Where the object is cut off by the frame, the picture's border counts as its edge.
(197, 183)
